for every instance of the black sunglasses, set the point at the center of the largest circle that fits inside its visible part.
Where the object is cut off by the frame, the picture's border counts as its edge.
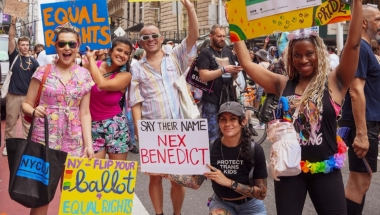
(72, 44)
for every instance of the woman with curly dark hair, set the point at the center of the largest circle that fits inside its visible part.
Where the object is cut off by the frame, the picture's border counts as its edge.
(231, 164)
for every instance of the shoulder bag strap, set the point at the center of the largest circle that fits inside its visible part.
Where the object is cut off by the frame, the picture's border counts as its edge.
(295, 115)
(14, 61)
(250, 179)
(47, 70)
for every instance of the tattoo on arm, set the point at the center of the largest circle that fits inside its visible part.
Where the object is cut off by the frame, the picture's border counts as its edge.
(191, 181)
(258, 191)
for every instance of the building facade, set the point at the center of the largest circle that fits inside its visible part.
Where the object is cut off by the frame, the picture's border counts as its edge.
(132, 16)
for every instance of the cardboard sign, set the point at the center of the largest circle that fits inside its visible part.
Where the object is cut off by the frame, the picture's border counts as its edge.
(90, 17)
(98, 186)
(177, 146)
(330, 11)
(16, 8)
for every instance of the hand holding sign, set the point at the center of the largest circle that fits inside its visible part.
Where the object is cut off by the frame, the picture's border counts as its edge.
(217, 176)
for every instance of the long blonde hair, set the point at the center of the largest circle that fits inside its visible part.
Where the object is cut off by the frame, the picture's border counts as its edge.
(318, 83)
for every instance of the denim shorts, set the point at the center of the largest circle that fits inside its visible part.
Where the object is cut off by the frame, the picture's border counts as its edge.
(251, 207)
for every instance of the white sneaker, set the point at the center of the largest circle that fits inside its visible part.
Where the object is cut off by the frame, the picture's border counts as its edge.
(5, 151)
(259, 127)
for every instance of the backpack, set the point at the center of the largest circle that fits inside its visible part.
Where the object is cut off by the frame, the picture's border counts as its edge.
(252, 155)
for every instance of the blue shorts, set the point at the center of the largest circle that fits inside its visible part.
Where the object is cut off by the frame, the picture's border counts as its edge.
(251, 207)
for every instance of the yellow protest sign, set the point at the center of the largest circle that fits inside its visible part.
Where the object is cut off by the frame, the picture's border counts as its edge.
(330, 11)
(98, 186)
(16, 8)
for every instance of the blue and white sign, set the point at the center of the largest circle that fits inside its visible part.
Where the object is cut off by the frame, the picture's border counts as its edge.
(34, 168)
(89, 16)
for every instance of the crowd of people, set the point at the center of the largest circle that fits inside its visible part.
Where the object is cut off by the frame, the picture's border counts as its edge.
(94, 99)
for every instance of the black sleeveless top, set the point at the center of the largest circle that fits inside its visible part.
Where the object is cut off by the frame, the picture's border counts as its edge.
(321, 143)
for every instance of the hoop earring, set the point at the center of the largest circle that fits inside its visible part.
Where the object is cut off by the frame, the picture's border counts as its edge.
(109, 61)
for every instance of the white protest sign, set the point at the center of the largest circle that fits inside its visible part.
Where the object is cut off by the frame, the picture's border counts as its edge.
(16, 8)
(177, 146)
(119, 32)
(262, 8)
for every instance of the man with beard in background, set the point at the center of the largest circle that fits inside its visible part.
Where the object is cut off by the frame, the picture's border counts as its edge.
(359, 125)
(214, 62)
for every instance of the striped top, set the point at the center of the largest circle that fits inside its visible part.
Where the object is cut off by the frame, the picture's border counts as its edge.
(159, 97)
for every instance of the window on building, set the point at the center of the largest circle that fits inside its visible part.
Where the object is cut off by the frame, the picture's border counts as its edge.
(184, 21)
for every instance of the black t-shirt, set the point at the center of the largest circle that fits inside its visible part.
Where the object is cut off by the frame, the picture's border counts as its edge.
(322, 141)
(21, 77)
(208, 59)
(368, 69)
(235, 167)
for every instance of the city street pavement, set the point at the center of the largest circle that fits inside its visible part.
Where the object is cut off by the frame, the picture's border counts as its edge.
(195, 201)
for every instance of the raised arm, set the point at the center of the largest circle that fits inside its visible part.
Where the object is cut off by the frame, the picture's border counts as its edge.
(193, 25)
(271, 82)
(11, 36)
(119, 83)
(345, 71)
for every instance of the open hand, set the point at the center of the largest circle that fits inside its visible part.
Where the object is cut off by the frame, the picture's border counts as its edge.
(217, 176)
(361, 145)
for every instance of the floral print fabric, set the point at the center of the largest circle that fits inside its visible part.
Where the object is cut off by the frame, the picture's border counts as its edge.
(61, 101)
(111, 134)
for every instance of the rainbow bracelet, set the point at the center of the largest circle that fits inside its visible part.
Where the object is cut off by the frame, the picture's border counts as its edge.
(327, 166)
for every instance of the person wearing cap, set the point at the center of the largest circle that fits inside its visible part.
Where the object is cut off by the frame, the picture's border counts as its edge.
(272, 54)
(230, 157)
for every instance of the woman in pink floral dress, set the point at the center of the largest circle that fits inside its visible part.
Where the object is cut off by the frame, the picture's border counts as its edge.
(65, 100)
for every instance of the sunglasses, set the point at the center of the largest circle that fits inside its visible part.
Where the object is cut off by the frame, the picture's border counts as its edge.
(62, 44)
(151, 36)
(302, 127)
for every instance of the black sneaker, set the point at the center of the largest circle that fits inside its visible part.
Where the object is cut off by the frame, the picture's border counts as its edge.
(134, 149)
(253, 131)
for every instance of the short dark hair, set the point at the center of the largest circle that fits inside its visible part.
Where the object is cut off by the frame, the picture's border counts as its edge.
(37, 46)
(331, 49)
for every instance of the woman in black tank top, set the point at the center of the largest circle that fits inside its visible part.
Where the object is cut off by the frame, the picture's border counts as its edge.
(318, 92)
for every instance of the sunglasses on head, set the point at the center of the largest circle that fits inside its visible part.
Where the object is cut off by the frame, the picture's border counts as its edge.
(151, 36)
(62, 44)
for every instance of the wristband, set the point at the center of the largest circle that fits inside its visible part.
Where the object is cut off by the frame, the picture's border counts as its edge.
(223, 70)
(234, 185)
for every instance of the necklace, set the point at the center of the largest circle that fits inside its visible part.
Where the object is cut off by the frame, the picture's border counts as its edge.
(217, 54)
(27, 62)
(221, 150)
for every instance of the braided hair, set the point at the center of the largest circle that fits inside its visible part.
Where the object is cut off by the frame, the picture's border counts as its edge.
(318, 83)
